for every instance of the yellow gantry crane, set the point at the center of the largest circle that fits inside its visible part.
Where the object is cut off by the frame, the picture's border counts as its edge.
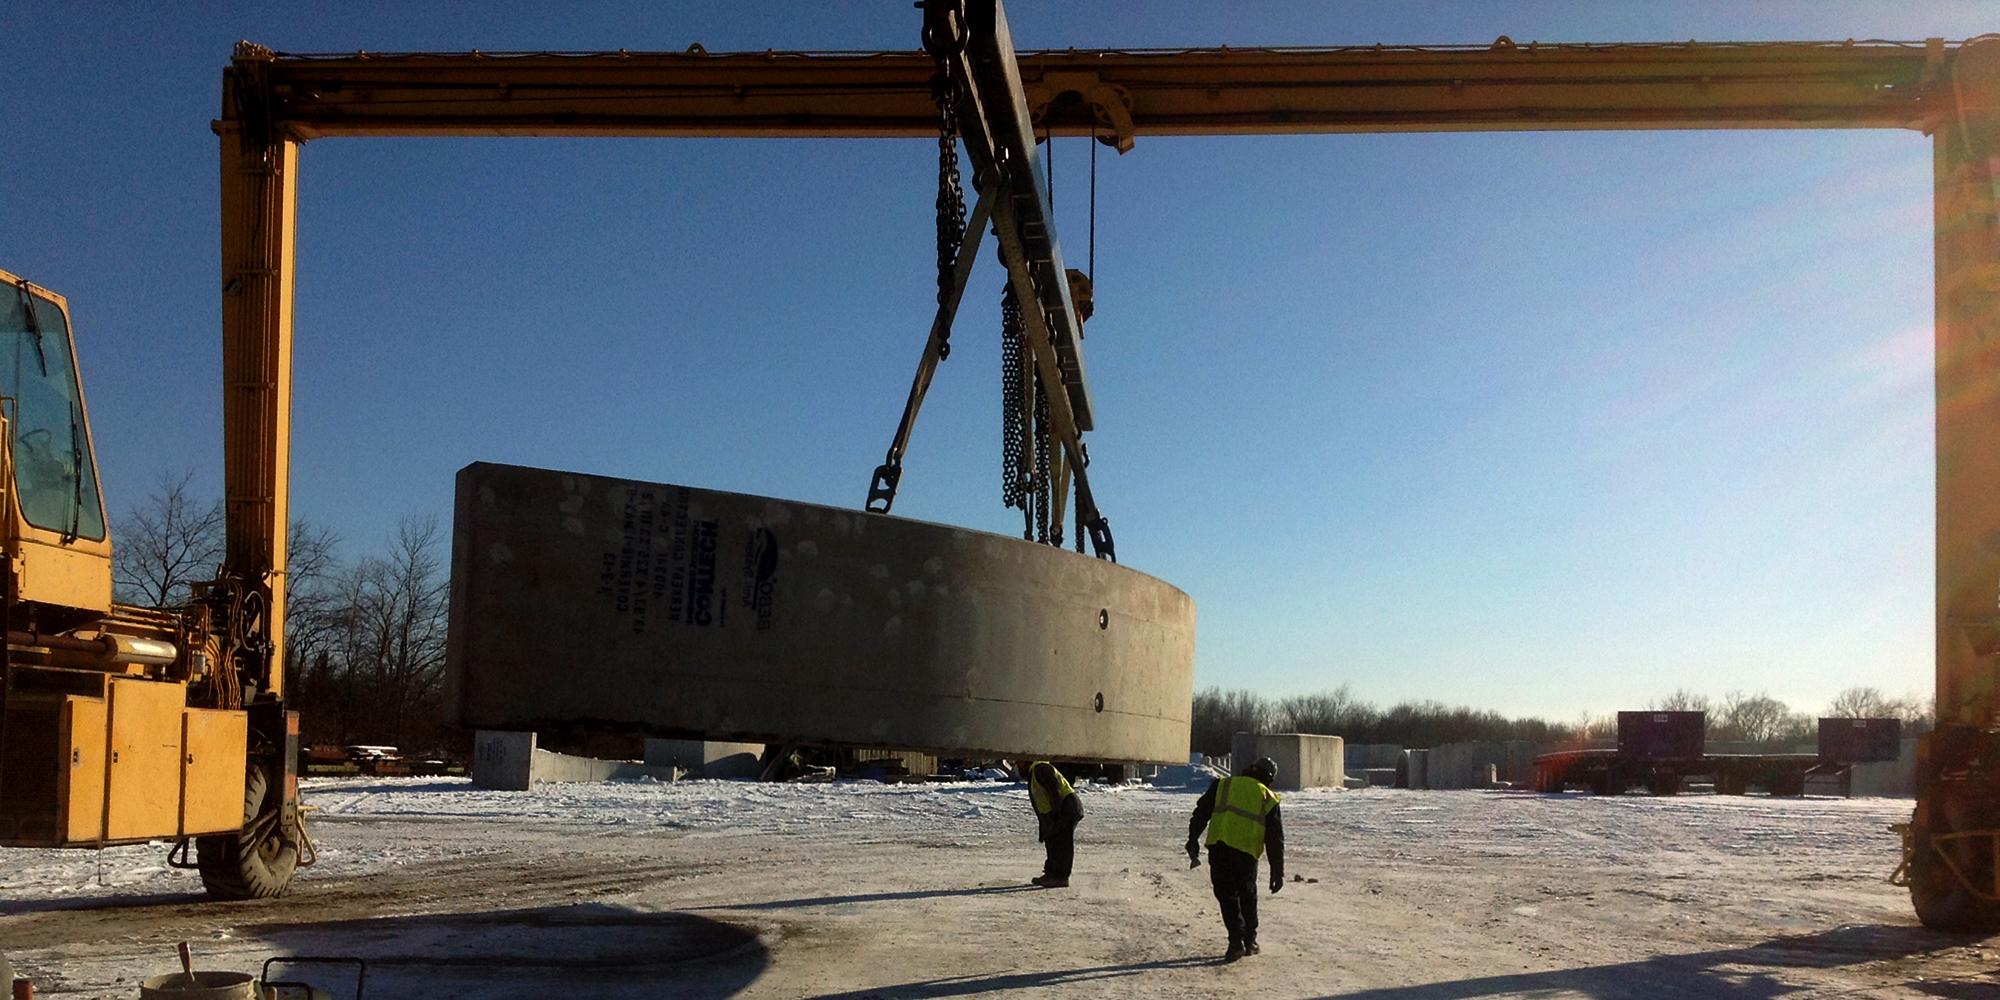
(969, 86)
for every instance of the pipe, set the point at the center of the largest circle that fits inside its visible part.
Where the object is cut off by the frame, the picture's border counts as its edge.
(107, 647)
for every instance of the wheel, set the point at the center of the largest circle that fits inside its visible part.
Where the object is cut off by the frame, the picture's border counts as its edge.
(1730, 783)
(1788, 785)
(258, 862)
(1942, 901)
(1664, 783)
(1606, 783)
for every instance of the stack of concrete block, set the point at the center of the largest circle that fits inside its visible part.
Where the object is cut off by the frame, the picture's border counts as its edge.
(511, 761)
(1304, 760)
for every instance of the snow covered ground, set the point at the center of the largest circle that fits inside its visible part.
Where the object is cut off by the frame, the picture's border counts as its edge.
(859, 889)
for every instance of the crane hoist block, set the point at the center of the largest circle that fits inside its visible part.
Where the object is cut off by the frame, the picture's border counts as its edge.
(585, 601)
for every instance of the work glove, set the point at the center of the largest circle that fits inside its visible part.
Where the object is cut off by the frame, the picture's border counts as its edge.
(1194, 854)
(1277, 882)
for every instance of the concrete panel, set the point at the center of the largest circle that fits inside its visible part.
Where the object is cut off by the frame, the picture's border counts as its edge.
(510, 761)
(550, 767)
(1304, 760)
(683, 612)
(1888, 779)
(707, 758)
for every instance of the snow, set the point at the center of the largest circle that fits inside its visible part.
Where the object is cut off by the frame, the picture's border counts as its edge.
(863, 889)
(1555, 827)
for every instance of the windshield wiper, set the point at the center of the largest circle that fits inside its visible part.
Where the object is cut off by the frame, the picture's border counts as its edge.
(34, 325)
(76, 477)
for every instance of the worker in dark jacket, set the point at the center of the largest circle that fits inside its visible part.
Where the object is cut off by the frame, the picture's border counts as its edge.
(1240, 814)
(1057, 811)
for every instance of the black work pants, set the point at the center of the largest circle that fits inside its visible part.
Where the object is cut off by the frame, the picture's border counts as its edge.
(1234, 875)
(1061, 843)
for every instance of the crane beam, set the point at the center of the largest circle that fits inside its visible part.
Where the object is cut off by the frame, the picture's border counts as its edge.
(1204, 91)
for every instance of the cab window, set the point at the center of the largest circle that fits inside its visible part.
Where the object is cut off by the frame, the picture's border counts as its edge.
(52, 465)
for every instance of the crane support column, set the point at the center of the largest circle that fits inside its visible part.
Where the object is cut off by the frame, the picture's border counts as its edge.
(259, 215)
(1968, 393)
(1953, 842)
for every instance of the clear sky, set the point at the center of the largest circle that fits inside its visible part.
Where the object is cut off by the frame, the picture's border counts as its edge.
(1547, 423)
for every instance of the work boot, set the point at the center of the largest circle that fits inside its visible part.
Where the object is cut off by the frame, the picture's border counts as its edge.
(1250, 948)
(1052, 882)
(1235, 951)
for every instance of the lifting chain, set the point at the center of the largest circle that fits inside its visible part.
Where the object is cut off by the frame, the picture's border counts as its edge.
(1013, 430)
(1043, 481)
(1024, 440)
(950, 197)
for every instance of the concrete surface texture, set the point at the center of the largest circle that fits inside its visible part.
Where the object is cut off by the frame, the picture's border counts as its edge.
(1304, 760)
(510, 761)
(678, 611)
(707, 758)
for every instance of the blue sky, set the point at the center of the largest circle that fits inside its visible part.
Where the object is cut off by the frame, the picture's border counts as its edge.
(1549, 423)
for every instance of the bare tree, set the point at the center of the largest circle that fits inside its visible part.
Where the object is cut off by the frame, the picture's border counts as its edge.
(388, 641)
(1752, 718)
(1861, 703)
(1331, 713)
(170, 540)
(1683, 700)
(1219, 715)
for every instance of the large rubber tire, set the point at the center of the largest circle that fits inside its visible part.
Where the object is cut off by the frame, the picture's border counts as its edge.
(1788, 784)
(1664, 783)
(1943, 902)
(243, 866)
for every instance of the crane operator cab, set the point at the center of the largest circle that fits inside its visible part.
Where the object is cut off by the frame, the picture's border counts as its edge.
(55, 523)
(118, 724)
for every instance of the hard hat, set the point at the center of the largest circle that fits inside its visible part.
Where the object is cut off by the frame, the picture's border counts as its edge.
(1264, 769)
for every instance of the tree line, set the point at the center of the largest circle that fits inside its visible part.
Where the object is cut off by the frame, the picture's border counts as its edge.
(364, 634)
(1757, 719)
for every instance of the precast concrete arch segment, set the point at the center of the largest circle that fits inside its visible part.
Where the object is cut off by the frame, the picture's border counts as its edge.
(582, 600)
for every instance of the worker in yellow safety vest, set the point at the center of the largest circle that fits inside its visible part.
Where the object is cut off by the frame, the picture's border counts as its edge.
(1241, 816)
(1057, 812)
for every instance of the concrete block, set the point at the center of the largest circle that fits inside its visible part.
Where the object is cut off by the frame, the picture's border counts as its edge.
(503, 760)
(682, 612)
(1415, 770)
(1304, 760)
(1362, 756)
(1378, 777)
(707, 758)
(1481, 764)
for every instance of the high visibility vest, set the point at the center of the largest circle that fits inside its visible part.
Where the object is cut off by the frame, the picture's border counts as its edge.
(1241, 806)
(1044, 803)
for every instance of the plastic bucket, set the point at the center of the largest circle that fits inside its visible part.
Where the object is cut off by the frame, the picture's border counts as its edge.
(206, 986)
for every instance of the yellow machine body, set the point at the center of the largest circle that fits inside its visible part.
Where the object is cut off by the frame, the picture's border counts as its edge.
(98, 741)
